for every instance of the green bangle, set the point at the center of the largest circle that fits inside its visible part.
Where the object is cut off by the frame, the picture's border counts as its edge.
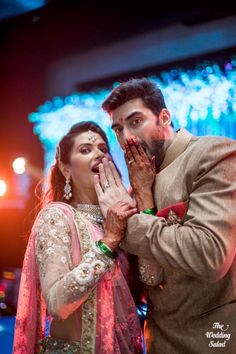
(149, 211)
(105, 249)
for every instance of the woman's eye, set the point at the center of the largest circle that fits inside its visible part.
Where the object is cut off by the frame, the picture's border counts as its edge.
(85, 150)
(104, 150)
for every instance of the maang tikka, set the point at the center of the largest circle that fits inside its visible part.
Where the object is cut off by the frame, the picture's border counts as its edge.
(91, 136)
(67, 189)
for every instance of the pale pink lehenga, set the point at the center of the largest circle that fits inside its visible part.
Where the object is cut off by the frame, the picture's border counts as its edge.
(86, 293)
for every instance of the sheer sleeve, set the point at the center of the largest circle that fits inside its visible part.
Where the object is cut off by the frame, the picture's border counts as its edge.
(64, 287)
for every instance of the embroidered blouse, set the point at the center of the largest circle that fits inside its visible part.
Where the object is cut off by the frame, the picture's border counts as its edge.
(64, 287)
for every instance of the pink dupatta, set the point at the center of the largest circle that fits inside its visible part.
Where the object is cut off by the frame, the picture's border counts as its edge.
(116, 324)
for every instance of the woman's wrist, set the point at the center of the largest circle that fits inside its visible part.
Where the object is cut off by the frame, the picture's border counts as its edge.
(105, 249)
(110, 242)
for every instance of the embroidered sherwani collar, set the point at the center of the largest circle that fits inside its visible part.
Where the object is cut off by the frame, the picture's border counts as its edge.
(179, 144)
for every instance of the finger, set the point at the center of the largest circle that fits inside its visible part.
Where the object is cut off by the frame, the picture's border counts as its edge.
(128, 153)
(129, 162)
(142, 153)
(115, 174)
(153, 163)
(117, 207)
(135, 153)
(102, 175)
(108, 172)
(120, 207)
(97, 185)
(125, 206)
(130, 213)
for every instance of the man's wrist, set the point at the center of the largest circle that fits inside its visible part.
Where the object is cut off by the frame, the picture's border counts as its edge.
(149, 211)
(145, 203)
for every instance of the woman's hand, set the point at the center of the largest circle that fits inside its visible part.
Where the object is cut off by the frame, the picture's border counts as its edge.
(142, 173)
(109, 187)
(116, 222)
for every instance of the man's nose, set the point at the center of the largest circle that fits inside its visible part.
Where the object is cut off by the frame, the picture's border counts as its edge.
(127, 135)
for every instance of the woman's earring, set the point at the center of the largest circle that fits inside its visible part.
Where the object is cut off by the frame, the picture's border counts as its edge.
(67, 189)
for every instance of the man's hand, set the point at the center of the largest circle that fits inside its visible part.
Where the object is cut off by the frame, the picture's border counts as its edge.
(109, 187)
(142, 173)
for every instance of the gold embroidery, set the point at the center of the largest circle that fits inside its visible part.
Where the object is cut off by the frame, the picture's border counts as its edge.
(173, 218)
(150, 273)
(88, 335)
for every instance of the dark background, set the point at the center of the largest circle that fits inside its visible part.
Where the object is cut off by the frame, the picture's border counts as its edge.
(31, 41)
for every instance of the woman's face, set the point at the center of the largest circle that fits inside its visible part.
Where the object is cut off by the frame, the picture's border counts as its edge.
(88, 150)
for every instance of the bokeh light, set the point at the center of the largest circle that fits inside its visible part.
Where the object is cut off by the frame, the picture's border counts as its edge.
(3, 187)
(19, 165)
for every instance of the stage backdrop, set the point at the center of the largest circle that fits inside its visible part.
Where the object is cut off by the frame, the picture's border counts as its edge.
(203, 100)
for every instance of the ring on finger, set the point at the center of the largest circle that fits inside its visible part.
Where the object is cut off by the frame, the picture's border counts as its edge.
(131, 161)
(106, 185)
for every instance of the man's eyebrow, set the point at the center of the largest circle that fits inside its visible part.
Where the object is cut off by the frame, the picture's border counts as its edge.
(115, 125)
(131, 115)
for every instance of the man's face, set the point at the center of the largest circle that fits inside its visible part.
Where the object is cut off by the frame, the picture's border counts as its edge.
(133, 119)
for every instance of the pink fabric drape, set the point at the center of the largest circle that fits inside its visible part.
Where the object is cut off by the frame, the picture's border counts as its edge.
(117, 326)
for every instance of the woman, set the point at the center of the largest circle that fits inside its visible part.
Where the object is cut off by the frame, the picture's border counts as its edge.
(68, 270)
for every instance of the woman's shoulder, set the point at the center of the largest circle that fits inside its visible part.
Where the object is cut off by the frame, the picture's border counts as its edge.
(60, 207)
(54, 211)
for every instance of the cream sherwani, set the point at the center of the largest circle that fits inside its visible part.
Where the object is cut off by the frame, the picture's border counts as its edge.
(194, 309)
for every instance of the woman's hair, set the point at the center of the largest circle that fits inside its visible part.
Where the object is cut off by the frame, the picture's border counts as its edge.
(56, 182)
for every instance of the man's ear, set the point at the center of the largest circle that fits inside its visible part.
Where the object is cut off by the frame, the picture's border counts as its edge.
(164, 118)
(64, 169)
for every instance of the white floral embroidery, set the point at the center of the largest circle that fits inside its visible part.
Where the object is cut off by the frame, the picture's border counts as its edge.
(88, 273)
(63, 259)
(49, 251)
(51, 228)
(52, 232)
(65, 239)
(84, 274)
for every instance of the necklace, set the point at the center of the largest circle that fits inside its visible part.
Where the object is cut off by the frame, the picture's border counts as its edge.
(92, 212)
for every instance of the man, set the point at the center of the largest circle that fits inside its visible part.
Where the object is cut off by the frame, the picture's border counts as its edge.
(193, 235)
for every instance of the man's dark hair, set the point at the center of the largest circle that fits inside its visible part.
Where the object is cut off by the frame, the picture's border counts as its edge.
(142, 88)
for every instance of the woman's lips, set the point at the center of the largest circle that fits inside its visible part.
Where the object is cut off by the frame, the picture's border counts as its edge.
(95, 169)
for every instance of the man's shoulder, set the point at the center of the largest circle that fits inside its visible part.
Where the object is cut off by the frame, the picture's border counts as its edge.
(212, 142)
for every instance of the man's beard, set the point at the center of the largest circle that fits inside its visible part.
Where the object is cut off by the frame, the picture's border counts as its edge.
(155, 148)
